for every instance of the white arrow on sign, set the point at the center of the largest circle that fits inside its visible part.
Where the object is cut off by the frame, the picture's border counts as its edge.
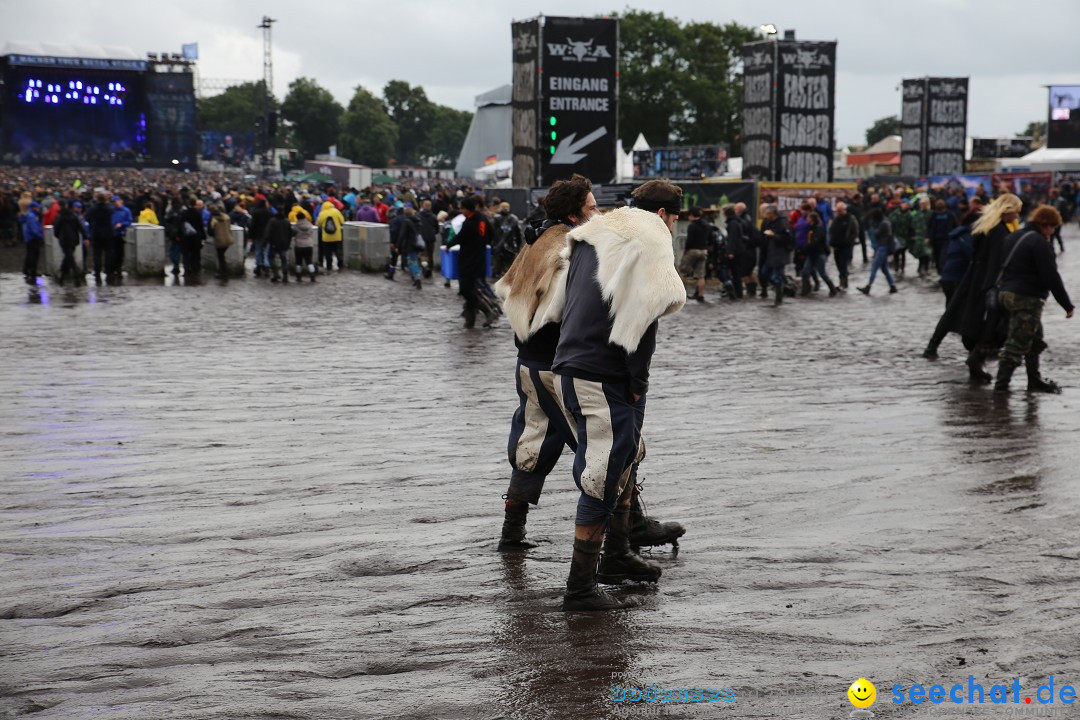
(567, 152)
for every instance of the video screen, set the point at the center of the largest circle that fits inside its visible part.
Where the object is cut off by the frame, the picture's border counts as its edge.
(74, 117)
(1063, 129)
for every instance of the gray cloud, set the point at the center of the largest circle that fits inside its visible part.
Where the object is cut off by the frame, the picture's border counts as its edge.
(458, 51)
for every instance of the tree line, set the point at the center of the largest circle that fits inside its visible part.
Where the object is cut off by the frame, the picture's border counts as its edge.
(401, 127)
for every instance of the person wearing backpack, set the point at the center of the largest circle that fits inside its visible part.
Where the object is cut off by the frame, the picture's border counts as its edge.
(304, 245)
(1027, 278)
(192, 235)
(221, 231)
(967, 313)
(331, 223)
(508, 230)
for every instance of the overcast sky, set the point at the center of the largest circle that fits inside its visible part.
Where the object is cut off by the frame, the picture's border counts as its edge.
(458, 50)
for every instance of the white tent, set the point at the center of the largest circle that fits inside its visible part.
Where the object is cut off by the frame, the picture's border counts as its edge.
(1043, 159)
(490, 132)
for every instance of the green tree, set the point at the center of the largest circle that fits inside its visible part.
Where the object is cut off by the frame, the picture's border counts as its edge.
(692, 71)
(882, 129)
(651, 64)
(238, 108)
(1036, 130)
(445, 136)
(315, 116)
(712, 88)
(368, 135)
(412, 112)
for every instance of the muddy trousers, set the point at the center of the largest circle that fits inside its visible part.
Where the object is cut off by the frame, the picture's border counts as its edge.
(539, 431)
(30, 260)
(608, 430)
(1025, 336)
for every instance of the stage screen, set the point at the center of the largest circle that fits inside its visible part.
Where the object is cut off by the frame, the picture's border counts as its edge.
(1063, 130)
(74, 116)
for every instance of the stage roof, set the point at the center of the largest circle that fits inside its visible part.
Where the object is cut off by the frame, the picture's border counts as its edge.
(91, 52)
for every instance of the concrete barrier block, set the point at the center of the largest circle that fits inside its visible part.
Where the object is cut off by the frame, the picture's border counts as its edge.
(367, 245)
(151, 249)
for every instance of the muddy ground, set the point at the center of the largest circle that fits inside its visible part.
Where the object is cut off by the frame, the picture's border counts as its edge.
(260, 501)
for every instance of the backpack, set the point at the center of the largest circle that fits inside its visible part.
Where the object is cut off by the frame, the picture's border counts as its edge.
(330, 228)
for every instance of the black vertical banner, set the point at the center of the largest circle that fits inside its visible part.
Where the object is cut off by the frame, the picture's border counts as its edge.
(758, 119)
(946, 125)
(912, 122)
(806, 103)
(525, 101)
(579, 98)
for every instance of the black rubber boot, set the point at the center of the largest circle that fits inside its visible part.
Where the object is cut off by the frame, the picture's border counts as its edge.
(620, 562)
(513, 529)
(1005, 373)
(930, 353)
(779, 299)
(647, 532)
(975, 360)
(1036, 382)
(582, 592)
(470, 319)
(806, 286)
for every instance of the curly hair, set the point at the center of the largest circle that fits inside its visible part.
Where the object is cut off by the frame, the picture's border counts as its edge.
(567, 197)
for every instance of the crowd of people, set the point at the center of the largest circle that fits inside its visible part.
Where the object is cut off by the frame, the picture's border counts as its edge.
(885, 223)
(279, 219)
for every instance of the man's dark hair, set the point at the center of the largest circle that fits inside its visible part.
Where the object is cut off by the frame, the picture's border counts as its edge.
(567, 197)
(468, 203)
(656, 194)
(695, 211)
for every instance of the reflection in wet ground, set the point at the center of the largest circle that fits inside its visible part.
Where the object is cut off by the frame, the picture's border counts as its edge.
(252, 501)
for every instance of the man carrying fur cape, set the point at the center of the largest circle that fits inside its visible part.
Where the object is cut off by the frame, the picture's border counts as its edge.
(531, 292)
(620, 281)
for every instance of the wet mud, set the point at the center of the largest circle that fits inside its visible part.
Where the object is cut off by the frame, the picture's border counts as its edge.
(253, 501)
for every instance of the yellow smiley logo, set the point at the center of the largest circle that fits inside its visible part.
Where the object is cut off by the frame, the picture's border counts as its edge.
(862, 693)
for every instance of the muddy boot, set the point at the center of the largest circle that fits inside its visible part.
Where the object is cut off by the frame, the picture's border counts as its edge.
(311, 272)
(751, 289)
(582, 592)
(1036, 382)
(930, 353)
(833, 290)
(806, 286)
(470, 319)
(620, 562)
(513, 529)
(1005, 373)
(764, 291)
(843, 283)
(977, 374)
(647, 532)
(779, 299)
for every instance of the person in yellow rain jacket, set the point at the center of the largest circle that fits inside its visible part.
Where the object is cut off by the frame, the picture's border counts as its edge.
(331, 224)
(148, 216)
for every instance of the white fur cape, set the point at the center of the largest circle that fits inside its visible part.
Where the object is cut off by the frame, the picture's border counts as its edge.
(635, 269)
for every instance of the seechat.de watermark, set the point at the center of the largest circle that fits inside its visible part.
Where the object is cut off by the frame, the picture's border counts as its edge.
(975, 693)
